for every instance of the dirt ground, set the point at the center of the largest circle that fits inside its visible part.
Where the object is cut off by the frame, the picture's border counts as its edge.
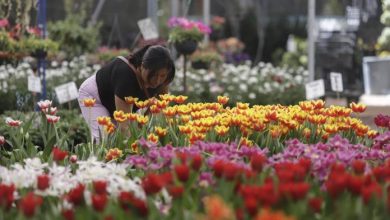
(368, 116)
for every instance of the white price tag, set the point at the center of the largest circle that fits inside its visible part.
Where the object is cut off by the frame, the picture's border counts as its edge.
(34, 84)
(66, 92)
(336, 82)
(148, 29)
(315, 89)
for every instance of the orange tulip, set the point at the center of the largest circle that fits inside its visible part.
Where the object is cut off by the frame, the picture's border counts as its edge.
(153, 138)
(222, 99)
(271, 115)
(131, 100)
(142, 120)
(162, 104)
(216, 208)
(318, 104)
(243, 106)
(154, 109)
(185, 118)
(185, 129)
(142, 104)
(246, 142)
(120, 116)
(183, 110)
(167, 97)
(110, 128)
(330, 128)
(113, 154)
(89, 102)
(266, 214)
(134, 147)
(161, 132)
(104, 120)
(306, 133)
(372, 134)
(180, 99)
(169, 112)
(196, 137)
(131, 116)
(221, 130)
(306, 105)
(358, 108)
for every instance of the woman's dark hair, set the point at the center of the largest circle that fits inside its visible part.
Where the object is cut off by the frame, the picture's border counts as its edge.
(154, 58)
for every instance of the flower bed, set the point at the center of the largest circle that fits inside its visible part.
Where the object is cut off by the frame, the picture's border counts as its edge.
(262, 84)
(201, 161)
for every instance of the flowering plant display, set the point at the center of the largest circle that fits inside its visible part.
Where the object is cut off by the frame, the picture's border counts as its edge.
(201, 161)
(183, 29)
(261, 84)
(208, 57)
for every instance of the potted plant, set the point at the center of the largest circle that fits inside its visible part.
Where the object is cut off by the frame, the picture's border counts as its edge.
(203, 59)
(217, 25)
(10, 49)
(39, 48)
(186, 34)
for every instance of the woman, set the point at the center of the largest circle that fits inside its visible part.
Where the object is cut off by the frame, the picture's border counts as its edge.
(144, 74)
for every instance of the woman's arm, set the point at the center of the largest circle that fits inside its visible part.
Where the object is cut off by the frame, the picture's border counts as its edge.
(121, 105)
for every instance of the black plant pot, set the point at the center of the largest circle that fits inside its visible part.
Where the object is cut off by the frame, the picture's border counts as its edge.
(186, 47)
(200, 65)
(40, 54)
(216, 35)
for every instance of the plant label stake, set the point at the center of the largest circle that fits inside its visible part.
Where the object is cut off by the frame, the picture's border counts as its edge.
(336, 82)
(66, 92)
(315, 89)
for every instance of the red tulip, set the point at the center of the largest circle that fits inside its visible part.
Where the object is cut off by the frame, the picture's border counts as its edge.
(100, 187)
(29, 203)
(68, 214)
(358, 166)
(43, 182)
(257, 162)
(196, 162)
(99, 202)
(182, 172)
(315, 204)
(176, 191)
(58, 154)
(152, 184)
(76, 195)
(251, 205)
(6, 195)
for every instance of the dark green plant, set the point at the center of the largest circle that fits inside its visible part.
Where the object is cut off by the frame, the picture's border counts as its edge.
(178, 35)
(73, 38)
(292, 59)
(71, 124)
(207, 57)
(32, 44)
(73, 34)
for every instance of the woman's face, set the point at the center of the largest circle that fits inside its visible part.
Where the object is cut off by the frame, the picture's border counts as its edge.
(155, 81)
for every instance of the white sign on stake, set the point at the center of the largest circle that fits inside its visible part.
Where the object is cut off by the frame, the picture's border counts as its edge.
(34, 84)
(66, 92)
(148, 29)
(315, 89)
(336, 82)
